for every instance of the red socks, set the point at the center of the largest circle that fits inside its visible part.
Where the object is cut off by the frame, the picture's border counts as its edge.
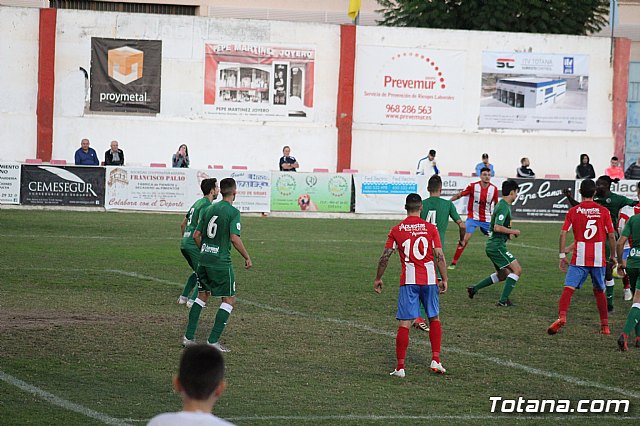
(625, 281)
(565, 301)
(601, 301)
(456, 256)
(435, 337)
(402, 342)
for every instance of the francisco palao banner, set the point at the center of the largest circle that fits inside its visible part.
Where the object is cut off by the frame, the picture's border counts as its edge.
(409, 86)
(534, 91)
(253, 192)
(254, 81)
(9, 183)
(311, 192)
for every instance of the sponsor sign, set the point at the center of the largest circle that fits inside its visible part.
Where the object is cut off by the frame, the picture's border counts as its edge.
(253, 193)
(9, 183)
(62, 186)
(310, 192)
(409, 86)
(534, 91)
(626, 188)
(541, 199)
(125, 75)
(386, 193)
(259, 81)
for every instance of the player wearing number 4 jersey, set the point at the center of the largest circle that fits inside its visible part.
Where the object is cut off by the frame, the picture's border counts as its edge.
(507, 267)
(419, 245)
(218, 229)
(483, 195)
(592, 230)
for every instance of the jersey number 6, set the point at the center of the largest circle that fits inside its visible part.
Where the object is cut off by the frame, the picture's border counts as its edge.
(212, 227)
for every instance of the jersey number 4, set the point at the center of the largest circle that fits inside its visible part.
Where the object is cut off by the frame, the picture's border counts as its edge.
(212, 227)
(418, 252)
(431, 217)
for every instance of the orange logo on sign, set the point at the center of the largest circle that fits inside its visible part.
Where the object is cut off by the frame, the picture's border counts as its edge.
(125, 64)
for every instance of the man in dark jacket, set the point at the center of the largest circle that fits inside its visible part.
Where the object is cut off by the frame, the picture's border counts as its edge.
(114, 156)
(524, 171)
(633, 171)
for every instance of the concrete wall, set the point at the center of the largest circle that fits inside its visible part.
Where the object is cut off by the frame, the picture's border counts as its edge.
(19, 82)
(154, 139)
(459, 149)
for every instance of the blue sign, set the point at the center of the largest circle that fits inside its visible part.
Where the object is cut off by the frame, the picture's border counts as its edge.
(381, 188)
(568, 65)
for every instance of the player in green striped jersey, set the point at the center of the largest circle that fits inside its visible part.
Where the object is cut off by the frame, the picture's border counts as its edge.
(188, 246)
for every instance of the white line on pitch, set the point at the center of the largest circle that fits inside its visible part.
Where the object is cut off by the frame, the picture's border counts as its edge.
(428, 417)
(63, 403)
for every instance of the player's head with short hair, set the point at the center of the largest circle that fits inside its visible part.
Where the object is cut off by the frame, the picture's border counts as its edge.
(435, 184)
(207, 185)
(485, 174)
(413, 203)
(201, 372)
(603, 185)
(508, 186)
(227, 187)
(587, 188)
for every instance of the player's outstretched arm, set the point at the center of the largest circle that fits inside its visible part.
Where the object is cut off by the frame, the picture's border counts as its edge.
(567, 193)
(456, 197)
(382, 266)
(237, 243)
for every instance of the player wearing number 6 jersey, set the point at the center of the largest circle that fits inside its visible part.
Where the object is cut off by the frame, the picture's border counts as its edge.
(592, 230)
(419, 245)
(218, 229)
(507, 267)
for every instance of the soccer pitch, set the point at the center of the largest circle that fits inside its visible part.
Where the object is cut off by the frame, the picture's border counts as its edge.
(90, 332)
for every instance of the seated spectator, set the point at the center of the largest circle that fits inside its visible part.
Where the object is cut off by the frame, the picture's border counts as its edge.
(287, 162)
(200, 382)
(427, 165)
(181, 158)
(524, 171)
(114, 156)
(614, 171)
(483, 164)
(584, 170)
(86, 156)
(633, 171)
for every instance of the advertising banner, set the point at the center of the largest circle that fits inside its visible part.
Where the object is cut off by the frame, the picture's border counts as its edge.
(62, 186)
(311, 192)
(409, 86)
(253, 192)
(125, 75)
(541, 199)
(259, 81)
(9, 183)
(627, 188)
(534, 91)
(386, 194)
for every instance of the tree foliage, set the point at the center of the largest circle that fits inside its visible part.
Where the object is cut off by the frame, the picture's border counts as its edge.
(579, 17)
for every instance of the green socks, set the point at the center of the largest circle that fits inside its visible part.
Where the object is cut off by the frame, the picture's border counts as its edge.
(509, 285)
(492, 279)
(189, 286)
(221, 321)
(194, 316)
(609, 294)
(633, 320)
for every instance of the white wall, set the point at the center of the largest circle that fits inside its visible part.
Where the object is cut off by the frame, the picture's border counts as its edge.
(154, 139)
(377, 147)
(19, 82)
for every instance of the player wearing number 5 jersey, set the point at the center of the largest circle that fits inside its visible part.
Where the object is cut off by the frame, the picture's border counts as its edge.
(507, 267)
(218, 229)
(419, 245)
(592, 230)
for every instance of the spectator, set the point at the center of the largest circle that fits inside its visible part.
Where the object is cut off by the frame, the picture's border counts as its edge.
(287, 162)
(483, 164)
(524, 171)
(427, 165)
(200, 382)
(181, 158)
(614, 171)
(633, 171)
(86, 156)
(114, 156)
(584, 170)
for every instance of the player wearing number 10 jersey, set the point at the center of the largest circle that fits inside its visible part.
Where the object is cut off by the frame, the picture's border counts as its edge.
(419, 245)
(592, 229)
(218, 229)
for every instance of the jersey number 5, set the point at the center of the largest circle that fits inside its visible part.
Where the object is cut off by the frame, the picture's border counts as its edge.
(591, 229)
(212, 227)
(417, 252)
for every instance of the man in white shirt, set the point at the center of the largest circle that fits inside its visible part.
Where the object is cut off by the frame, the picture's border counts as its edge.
(427, 165)
(200, 382)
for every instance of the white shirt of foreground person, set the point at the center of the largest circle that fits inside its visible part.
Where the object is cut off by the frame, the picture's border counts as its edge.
(188, 418)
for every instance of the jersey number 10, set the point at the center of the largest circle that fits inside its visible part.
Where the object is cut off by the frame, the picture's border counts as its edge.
(418, 252)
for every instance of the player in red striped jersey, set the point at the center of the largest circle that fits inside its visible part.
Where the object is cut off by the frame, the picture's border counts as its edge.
(420, 247)
(592, 229)
(483, 196)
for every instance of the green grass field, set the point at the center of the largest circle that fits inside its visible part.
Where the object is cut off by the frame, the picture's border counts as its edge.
(90, 332)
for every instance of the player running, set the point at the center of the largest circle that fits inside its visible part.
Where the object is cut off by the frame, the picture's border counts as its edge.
(218, 229)
(188, 246)
(437, 211)
(483, 196)
(625, 213)
(631, 268)
(505, 263)
(592, 228)
(420, 245)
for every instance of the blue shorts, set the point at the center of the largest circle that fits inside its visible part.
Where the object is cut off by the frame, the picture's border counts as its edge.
(625, 253)
(472, 224)
(412, 295)
(577, 275)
